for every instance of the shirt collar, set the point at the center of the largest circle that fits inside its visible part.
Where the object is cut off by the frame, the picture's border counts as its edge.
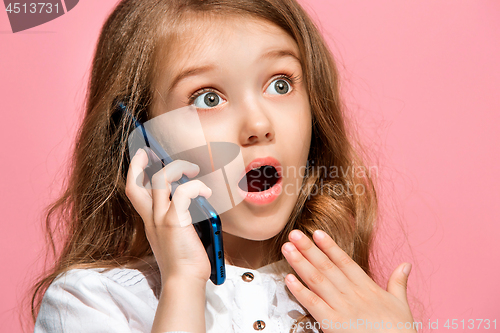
(274, 270)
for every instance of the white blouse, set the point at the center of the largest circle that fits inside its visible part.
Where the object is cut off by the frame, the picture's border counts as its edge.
(125, 301)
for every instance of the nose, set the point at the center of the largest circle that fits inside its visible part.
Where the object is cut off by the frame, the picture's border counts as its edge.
(257, 126)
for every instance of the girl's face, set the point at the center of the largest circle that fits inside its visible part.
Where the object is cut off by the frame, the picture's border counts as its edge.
(245, 78)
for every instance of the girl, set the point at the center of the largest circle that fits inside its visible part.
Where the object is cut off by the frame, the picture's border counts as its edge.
(260, 76)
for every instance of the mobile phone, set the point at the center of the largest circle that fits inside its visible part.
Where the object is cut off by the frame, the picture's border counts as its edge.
(209, 228)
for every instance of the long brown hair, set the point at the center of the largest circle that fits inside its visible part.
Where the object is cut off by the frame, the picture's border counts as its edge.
(98, 225)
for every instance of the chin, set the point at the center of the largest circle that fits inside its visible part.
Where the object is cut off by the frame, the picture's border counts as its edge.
(255, 231)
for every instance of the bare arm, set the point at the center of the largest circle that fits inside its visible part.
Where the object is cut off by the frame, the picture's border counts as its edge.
(181, 307)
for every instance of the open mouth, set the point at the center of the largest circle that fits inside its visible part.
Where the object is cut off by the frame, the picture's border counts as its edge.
(260, 179)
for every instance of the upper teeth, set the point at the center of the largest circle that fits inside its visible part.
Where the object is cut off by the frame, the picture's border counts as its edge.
(259, 167)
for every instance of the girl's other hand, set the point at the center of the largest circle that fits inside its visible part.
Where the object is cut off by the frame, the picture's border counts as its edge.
(341, 292)
(177, 248)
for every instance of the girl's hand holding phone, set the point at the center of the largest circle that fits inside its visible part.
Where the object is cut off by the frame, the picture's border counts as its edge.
(177, 248)
(340, 291)
(182, 259)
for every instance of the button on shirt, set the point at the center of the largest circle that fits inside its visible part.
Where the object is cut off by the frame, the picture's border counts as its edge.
(125, 300)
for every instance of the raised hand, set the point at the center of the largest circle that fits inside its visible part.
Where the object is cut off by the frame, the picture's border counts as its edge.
(173, 239)
(340, 295)
(179, 252)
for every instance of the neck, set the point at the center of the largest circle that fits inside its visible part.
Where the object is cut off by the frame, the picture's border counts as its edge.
(243, 252)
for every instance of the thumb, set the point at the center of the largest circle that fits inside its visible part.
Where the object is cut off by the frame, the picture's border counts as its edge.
(398, 281)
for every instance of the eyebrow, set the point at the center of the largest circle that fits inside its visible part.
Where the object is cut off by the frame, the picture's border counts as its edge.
(274, 54)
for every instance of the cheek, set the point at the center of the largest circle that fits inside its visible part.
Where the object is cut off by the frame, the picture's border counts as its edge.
(296, 129)
(217, 125)
(305, 128)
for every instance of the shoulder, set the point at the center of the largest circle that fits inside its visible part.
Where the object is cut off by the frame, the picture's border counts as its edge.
(105, 281)
(80, 298)
(95, 277)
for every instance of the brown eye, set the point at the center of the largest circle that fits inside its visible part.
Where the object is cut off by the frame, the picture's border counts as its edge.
(211, 99)
(207, 100)
(281, 86)
(278, 87)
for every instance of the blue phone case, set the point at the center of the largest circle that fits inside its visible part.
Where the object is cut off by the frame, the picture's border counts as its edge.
(209, 229)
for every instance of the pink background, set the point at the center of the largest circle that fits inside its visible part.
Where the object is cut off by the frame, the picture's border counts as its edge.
(420, 77)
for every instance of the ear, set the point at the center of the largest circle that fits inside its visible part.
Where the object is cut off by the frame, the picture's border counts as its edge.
(398, 281)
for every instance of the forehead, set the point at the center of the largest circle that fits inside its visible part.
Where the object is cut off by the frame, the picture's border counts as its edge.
(223, 40)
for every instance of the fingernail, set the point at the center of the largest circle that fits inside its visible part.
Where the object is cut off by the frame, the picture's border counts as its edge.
(320, 234)
(289, 247)
(209, 192)
(407, 269)
(291, 278)
(295, 235)
(196, 165)
(139, 151)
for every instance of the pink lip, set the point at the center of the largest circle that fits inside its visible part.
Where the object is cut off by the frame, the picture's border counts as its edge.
(263, 197)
